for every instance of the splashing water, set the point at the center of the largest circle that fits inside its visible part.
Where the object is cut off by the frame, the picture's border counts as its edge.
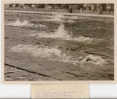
(36, 51)
(94, 59)
(58, 17)
(20, 23)
(26, 23)
(61, 33)
(44, 52)
(55, 54)
(84, 39)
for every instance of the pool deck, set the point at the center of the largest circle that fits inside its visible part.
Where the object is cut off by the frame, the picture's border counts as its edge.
(64, 13)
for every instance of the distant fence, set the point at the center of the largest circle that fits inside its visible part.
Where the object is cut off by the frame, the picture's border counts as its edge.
(82, 8)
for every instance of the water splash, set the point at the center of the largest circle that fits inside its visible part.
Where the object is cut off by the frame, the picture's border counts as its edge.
(58, 17)
(94, 59)
(55, 54)
(84, 39)
(20, 23)
(26, 23)
(61, 33)
(44, 52)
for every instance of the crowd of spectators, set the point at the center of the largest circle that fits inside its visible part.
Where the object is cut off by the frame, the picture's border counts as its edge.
(87, 8)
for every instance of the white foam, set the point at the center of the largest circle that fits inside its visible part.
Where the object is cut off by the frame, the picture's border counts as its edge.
(61, 33)
(45, 52)
(81, 39)
(55, 54)
(58, 17)
(84, 39)
(20, 23)
(36, 51)
(94, 59)
(42, 26)
(25, 23)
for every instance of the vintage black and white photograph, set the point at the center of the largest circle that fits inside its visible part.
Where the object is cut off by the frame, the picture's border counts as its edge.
(59, 42)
